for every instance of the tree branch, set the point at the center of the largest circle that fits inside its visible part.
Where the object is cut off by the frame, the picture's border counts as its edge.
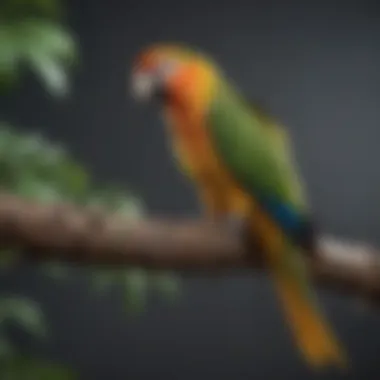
(85, 236)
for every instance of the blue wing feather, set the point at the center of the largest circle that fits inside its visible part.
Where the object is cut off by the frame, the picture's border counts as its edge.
(298, 227)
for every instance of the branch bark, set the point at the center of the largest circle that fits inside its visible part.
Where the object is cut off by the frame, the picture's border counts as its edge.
(85, 236)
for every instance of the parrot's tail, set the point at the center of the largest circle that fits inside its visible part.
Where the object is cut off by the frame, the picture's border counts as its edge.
(311, 331)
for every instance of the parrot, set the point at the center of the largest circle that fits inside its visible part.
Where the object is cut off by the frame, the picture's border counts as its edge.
(241, 162)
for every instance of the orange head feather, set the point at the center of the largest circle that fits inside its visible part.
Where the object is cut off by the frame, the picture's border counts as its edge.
(171, 72)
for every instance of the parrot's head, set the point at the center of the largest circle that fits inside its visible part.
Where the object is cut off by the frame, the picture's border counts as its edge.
(167, 72)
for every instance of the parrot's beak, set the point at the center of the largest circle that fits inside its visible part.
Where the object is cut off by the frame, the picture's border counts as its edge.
(143, 86)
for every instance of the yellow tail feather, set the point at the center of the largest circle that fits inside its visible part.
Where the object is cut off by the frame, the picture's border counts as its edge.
(312, 333)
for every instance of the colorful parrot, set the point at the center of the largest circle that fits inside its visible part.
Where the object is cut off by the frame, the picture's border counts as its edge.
(241, 162)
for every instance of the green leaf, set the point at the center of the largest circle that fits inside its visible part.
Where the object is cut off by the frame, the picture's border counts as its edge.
(21, 368)
(21, 8)
(49, 49)
(47, 37)
(130, 208)
(33, 189)
(7, 139)
(118, 200)
(6, 348)
(135, 288)
(34, 149)
(26, 313)
(45, 46)
(52, 73)
(73, 179)
(9, 55)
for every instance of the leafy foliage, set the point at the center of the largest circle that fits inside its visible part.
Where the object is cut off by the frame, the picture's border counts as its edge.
(21, 367)
(34, 168)
(26, 314)
(33, 37)
(30, 37)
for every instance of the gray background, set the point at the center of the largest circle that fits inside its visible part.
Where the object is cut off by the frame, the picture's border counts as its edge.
(315, 65)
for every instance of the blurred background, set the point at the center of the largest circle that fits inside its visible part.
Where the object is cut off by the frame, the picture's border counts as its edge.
(70, 131)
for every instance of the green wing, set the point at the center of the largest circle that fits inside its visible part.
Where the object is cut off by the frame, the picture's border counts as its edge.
(281, 145)
(256, 150)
